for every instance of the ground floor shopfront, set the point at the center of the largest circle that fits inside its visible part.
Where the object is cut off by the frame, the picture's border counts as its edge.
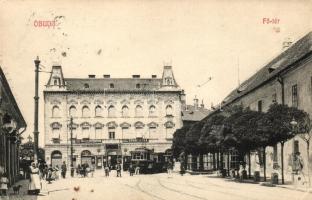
(9, 158)
(98, 154)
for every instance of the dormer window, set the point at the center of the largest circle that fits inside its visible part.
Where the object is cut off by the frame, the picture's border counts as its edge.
(111, 85)
(137, 86)
(86, 85)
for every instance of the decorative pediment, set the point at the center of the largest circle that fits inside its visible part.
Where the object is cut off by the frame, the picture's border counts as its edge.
(55, 102)
(98, 125)
(152, 101)
(74, 125)
(169, 101)
(85, 102)
(125, 124)
(85, 124)
(169, 124)
(125, 102)
(111, 102)
(139, 124)
(56, 125)
(98, 101)
(112, 124)
(72, 101)
(138, 101)
(152, 124)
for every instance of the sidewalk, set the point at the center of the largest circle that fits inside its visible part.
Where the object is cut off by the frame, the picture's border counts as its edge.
(23, 192)
(289, 185)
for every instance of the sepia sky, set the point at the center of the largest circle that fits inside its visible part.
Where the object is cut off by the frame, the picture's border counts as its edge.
(198, 38)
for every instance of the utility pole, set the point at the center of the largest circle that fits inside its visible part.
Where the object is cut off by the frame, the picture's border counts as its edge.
(36, 98)
(71, 148)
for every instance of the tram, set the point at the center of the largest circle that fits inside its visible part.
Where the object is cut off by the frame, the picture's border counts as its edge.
(149, 161)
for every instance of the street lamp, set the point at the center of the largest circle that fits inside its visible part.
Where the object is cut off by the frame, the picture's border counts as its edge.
(293, 123)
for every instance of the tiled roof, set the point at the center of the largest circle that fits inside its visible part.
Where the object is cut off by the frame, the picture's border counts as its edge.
(192, 114)
(120, 84)
(294, 53)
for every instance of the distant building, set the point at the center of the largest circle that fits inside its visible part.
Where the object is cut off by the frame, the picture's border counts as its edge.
(194, 113)
(112, 116)
(12, 126)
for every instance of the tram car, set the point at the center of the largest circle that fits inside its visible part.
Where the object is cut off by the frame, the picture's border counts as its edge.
(149, 161)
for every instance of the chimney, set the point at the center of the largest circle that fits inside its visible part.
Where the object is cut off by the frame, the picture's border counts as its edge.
(183, 100)
(91, 76)
(106, 76)
(202, 105)
(287, 43)
(195, 103)
(136, 76)
(154, 76)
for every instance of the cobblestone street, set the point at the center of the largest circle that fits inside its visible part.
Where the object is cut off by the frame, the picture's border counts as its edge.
(158, 187)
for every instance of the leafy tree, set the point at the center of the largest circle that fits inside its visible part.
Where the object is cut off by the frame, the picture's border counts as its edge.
(279, 119)
(192, 137)
(179, 142)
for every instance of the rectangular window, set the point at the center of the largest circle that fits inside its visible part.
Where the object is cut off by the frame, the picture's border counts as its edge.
(125, 131)
(296, 146)
(111, 135)
(98, 133)
(274, 98)
(85, 133)
(275, 153)
(260, 106)
(294, 94)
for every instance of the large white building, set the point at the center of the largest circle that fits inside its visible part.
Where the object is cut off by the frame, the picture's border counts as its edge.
(111, 116)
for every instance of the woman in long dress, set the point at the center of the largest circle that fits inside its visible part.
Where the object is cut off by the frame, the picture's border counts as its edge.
(34, 185)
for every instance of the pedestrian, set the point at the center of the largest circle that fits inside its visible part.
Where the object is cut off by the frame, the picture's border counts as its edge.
(118, 169)
(63, 169)
(182, 169)
(92, 168)
(106, 171)
(137, 168)
(4, 184)
(169, 169)
(34, 185)
(78, 169)
(131, 170)
(49, 177)
(56, 172)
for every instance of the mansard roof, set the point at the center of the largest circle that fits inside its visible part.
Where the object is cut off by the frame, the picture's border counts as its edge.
(120, 84)
(194, 114)
(287, 59)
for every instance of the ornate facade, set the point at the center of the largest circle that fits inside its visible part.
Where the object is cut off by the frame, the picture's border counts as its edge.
(111, 116)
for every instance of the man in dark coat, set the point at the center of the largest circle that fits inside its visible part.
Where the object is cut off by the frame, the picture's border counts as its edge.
(63, 169)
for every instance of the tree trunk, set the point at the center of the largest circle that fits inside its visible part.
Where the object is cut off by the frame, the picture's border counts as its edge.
(282, 160)
(228, 163)
(218, 161)
(214, 160)
(201, 162)
(308, 155)
(249, 163)
(221, 158)
(264, 164)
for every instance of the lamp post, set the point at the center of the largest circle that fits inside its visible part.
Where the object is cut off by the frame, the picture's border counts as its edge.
(71, 148)
(36, 98)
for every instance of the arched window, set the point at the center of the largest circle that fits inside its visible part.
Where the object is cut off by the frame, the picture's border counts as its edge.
(169, 110)
(111, 111)
(85, 111)
(98, 111)
(72, 111)
(55, 81)
(55, 111)
(125, 111)
(86, 85)
(152, 110)
(138, 111)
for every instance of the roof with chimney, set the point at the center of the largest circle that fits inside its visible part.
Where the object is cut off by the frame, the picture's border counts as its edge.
(99, 84)
(294, 54)
(194, 113)
(93, 84)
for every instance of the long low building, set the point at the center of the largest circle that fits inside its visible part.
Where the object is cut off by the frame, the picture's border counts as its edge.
(111, 116)
(12, 126)
(287, 79)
